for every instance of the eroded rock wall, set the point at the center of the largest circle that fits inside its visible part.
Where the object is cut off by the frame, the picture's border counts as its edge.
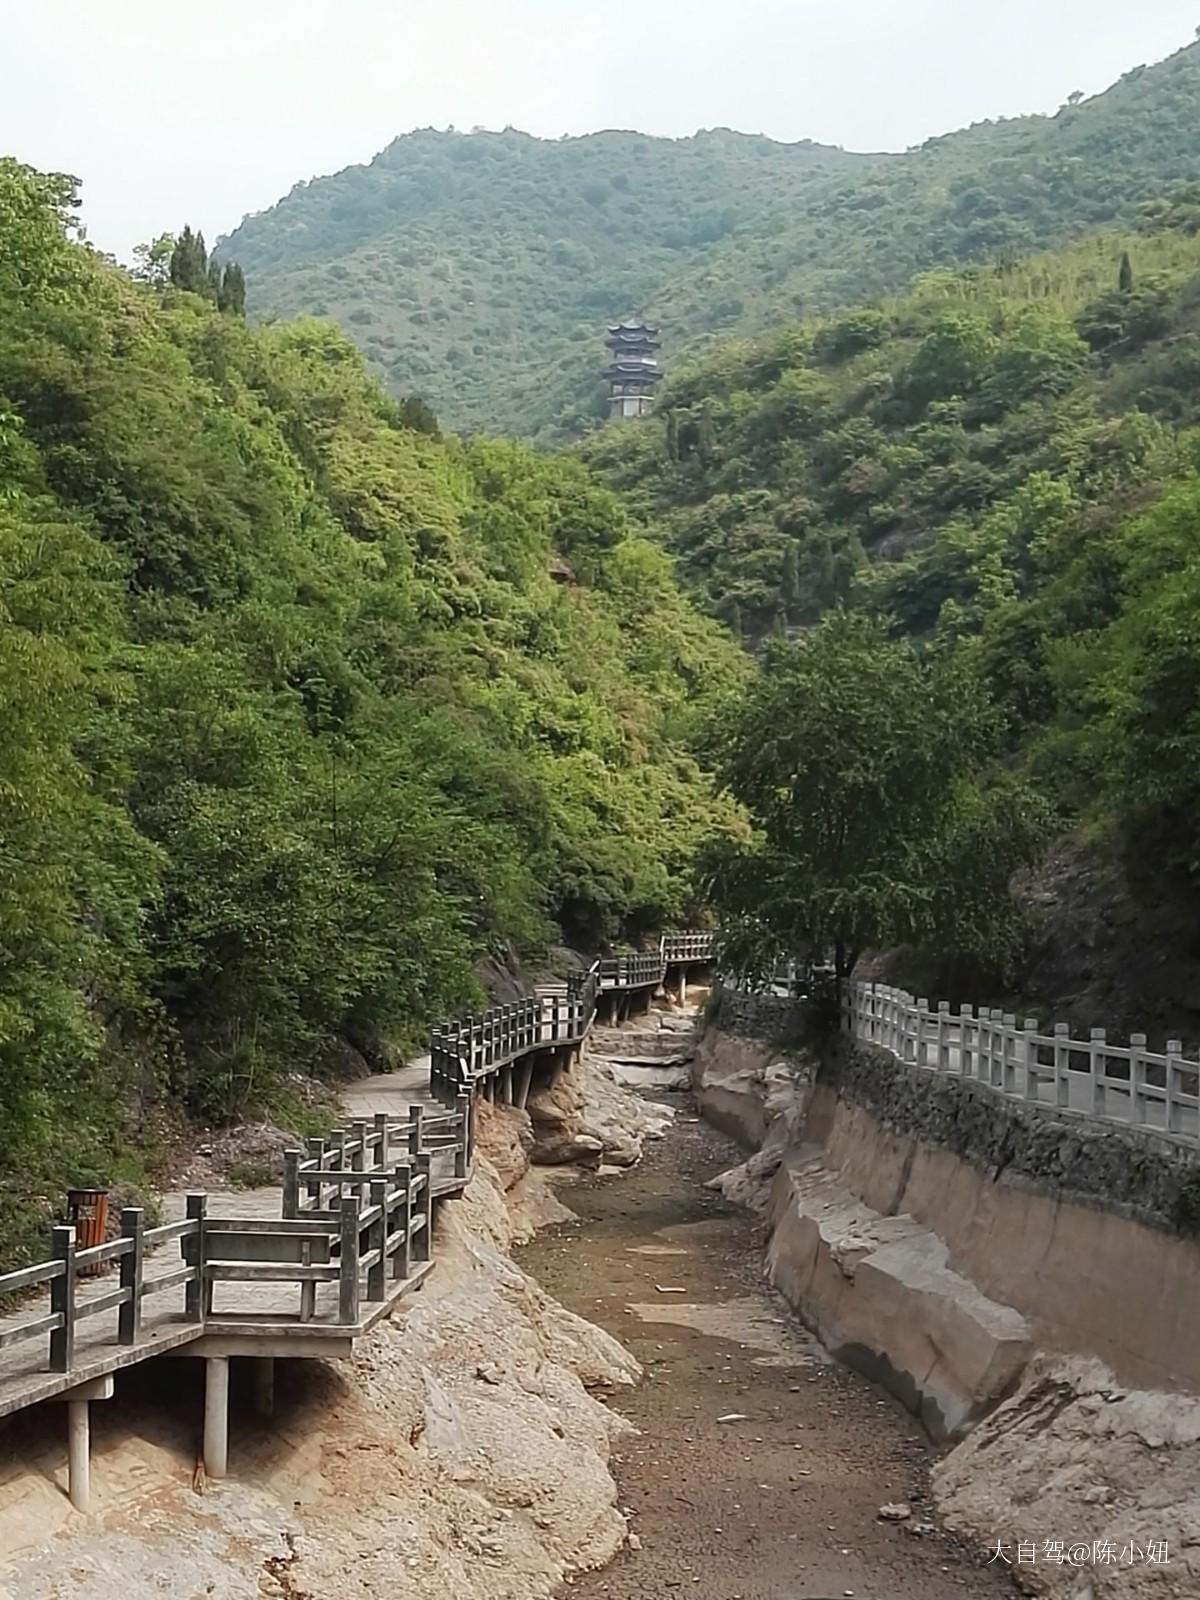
(978, 1261)
(463, 1452)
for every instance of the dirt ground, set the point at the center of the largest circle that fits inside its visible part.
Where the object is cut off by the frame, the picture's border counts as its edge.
(781, 1500)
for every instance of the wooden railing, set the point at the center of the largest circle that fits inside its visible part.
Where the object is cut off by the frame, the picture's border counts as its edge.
(1130, 1084)
(464, 1053)
(356, 1210)
(682, 948)
(72, 1303)
(641, 971)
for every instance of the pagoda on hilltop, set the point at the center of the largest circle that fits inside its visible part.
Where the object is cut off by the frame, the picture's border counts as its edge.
(633, 373)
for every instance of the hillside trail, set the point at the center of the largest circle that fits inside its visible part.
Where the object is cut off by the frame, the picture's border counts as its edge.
(760, 1466)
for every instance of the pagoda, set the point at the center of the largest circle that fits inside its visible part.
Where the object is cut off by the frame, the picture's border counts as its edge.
(633, 373)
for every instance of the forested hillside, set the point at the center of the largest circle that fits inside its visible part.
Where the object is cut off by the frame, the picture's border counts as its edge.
(302, 711)
(1003, 465)
(479, 269)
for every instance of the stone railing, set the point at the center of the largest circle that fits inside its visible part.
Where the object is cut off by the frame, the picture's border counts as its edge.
(355, 1209)
(1126, 1084)
(466, 1054)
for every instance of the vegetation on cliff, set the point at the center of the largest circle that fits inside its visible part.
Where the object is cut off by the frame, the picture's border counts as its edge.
(1001, 464)
(479, 269)
(303, 709)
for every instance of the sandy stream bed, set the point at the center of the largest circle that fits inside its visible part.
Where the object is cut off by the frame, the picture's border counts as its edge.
(784, 1502)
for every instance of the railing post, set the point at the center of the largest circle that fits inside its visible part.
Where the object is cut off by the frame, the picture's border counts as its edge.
(383, 1139)
(337, 1162)
(400, 1263)
(291, 1183)
(1097, 1069)
(316, 1152)
(1008, 1054)
(425, 1237)
(436, 1069)
(1174, 1063)
(1031, 1059)
(462, 1148)
(358, 1144)
(1062, 1066)
(987, 1043)
(998, 1047)
(197, 1293)
(348, 1287)
(1137, 1079)
(62, 1300)
(966, 1048)
(416, 1115)
(377, 1240)
(919, 1047)
(943, 1047)
(308, 1291)
(129, 1318)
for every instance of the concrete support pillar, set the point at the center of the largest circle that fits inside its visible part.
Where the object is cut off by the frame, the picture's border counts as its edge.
(683, 986)
(79, 1454)
(523, 1083)
(216, 1416)
(264, 1386)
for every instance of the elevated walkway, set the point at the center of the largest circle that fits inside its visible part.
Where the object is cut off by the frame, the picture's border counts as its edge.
(307, 1268)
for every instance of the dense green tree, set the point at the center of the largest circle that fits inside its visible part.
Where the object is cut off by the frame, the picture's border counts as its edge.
(305, 709)
(859, 765)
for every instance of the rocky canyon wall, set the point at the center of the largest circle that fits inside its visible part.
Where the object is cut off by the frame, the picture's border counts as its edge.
(1023, 1283)
(464, 1451)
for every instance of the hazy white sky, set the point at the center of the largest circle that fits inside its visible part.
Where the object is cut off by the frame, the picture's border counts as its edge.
(206, 112)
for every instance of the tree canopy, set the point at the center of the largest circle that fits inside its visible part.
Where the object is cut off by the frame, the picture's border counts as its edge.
(305, 709)
(859, 763)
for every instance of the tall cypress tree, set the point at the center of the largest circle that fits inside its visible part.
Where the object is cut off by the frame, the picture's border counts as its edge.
(189, 263)
(232, 294)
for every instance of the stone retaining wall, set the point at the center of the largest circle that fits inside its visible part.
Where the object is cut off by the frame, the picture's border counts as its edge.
(1103, 1165)
(936, 1235)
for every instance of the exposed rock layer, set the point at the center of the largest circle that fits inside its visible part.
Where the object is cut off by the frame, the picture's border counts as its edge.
(461, 1453)
(939, 1252)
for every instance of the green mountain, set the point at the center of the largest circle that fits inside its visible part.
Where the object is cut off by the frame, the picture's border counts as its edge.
(303, 710)
(1002, 464)
(478, 270)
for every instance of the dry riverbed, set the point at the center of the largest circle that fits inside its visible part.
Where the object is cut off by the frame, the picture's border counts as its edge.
(760, 1468)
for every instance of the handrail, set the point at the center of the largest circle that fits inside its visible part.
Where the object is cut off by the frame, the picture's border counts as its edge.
(1155, 1093)
(464, 1051)
(357, 1205)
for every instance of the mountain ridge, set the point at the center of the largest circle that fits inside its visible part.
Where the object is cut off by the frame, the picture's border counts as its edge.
(478, 269)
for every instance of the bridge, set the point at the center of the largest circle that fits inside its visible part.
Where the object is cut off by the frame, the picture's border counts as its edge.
(309, 1268)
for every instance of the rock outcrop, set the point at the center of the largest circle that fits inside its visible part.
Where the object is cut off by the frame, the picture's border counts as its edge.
(586, 1116)
(880, 1294)
(967, 1287)
(461, 1453)
(1075, 1462)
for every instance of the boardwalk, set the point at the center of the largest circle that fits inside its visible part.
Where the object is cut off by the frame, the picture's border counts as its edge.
(308, 1267)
